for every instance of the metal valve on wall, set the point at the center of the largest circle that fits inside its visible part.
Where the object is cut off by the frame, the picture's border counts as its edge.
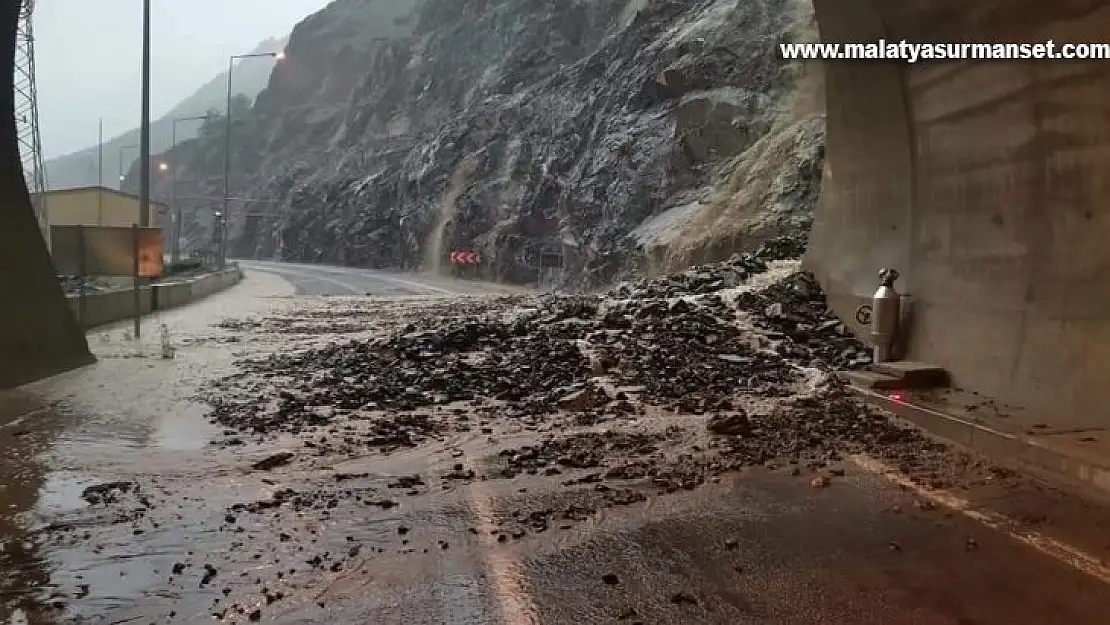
(883, 314)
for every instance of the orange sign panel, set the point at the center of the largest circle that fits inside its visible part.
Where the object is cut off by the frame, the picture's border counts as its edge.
(107, 251)
(152, 255)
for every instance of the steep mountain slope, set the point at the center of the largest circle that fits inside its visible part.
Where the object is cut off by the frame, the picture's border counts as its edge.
(79, 168)
(398, 131)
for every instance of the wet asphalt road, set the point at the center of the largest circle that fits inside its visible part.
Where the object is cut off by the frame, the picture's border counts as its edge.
(763, 546)
(328, 280)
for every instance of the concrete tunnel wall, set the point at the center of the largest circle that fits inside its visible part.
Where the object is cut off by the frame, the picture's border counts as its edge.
(38, 335)
(987, 185)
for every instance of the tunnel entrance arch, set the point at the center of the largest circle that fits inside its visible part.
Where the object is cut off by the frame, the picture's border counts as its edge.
(985, 183)
(39, 336)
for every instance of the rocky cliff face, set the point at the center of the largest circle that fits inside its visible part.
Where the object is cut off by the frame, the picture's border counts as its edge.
(533, 132)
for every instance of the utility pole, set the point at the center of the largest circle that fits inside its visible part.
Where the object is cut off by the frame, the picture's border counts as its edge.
(144, 165)
(100, 173)
(144, 126)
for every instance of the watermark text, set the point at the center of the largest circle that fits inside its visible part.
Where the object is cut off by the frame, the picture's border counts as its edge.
(910, 52)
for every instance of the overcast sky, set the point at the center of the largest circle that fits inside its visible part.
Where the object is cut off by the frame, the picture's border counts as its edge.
(88, 55)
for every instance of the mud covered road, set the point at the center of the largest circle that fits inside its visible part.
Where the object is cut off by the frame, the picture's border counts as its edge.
(669, 452)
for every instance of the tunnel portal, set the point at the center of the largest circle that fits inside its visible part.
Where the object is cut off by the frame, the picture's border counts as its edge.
(985, 183)
(38, 335)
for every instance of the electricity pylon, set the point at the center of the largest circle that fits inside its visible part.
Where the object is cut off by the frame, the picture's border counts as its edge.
(27, 117)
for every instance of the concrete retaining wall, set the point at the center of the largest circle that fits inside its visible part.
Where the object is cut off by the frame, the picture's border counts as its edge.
(103, 308)
(210, 284)
(172, 295)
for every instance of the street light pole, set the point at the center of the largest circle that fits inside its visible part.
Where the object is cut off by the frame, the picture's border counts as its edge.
(227, 162)
(175, 210)
(175, 214)
(121, 149)
(222, 245)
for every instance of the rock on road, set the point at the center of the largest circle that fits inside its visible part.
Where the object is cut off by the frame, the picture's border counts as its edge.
(463, 515)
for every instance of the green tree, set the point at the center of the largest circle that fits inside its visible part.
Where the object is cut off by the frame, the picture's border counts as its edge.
(213, 126)
(240, 107)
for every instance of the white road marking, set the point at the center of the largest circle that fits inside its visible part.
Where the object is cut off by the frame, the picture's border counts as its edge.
(417, 285)
(310, 276)
(1060, 551)
(516, 604)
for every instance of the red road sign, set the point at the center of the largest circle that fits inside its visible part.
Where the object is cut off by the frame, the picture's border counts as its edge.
(464, 258)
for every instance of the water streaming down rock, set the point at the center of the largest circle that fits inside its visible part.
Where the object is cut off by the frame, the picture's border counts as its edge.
(582, 120)
(448, 210)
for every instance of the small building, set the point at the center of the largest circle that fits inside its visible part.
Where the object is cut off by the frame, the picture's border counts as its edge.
(98, 206)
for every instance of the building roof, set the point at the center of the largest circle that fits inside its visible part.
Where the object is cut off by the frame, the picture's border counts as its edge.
(101, 188)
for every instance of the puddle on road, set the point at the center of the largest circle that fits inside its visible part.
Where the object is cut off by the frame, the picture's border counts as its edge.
(130, 416)
(187, 428)
(62, 436)
(28, 425)
(62, 493)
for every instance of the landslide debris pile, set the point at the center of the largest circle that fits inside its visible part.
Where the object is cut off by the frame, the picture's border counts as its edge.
(795, 309)
(407, 129)
(577, 451)
(824, 427)
(665, 343)
(652, 388)
(711, 278)
(809, 433)
(689, 356)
